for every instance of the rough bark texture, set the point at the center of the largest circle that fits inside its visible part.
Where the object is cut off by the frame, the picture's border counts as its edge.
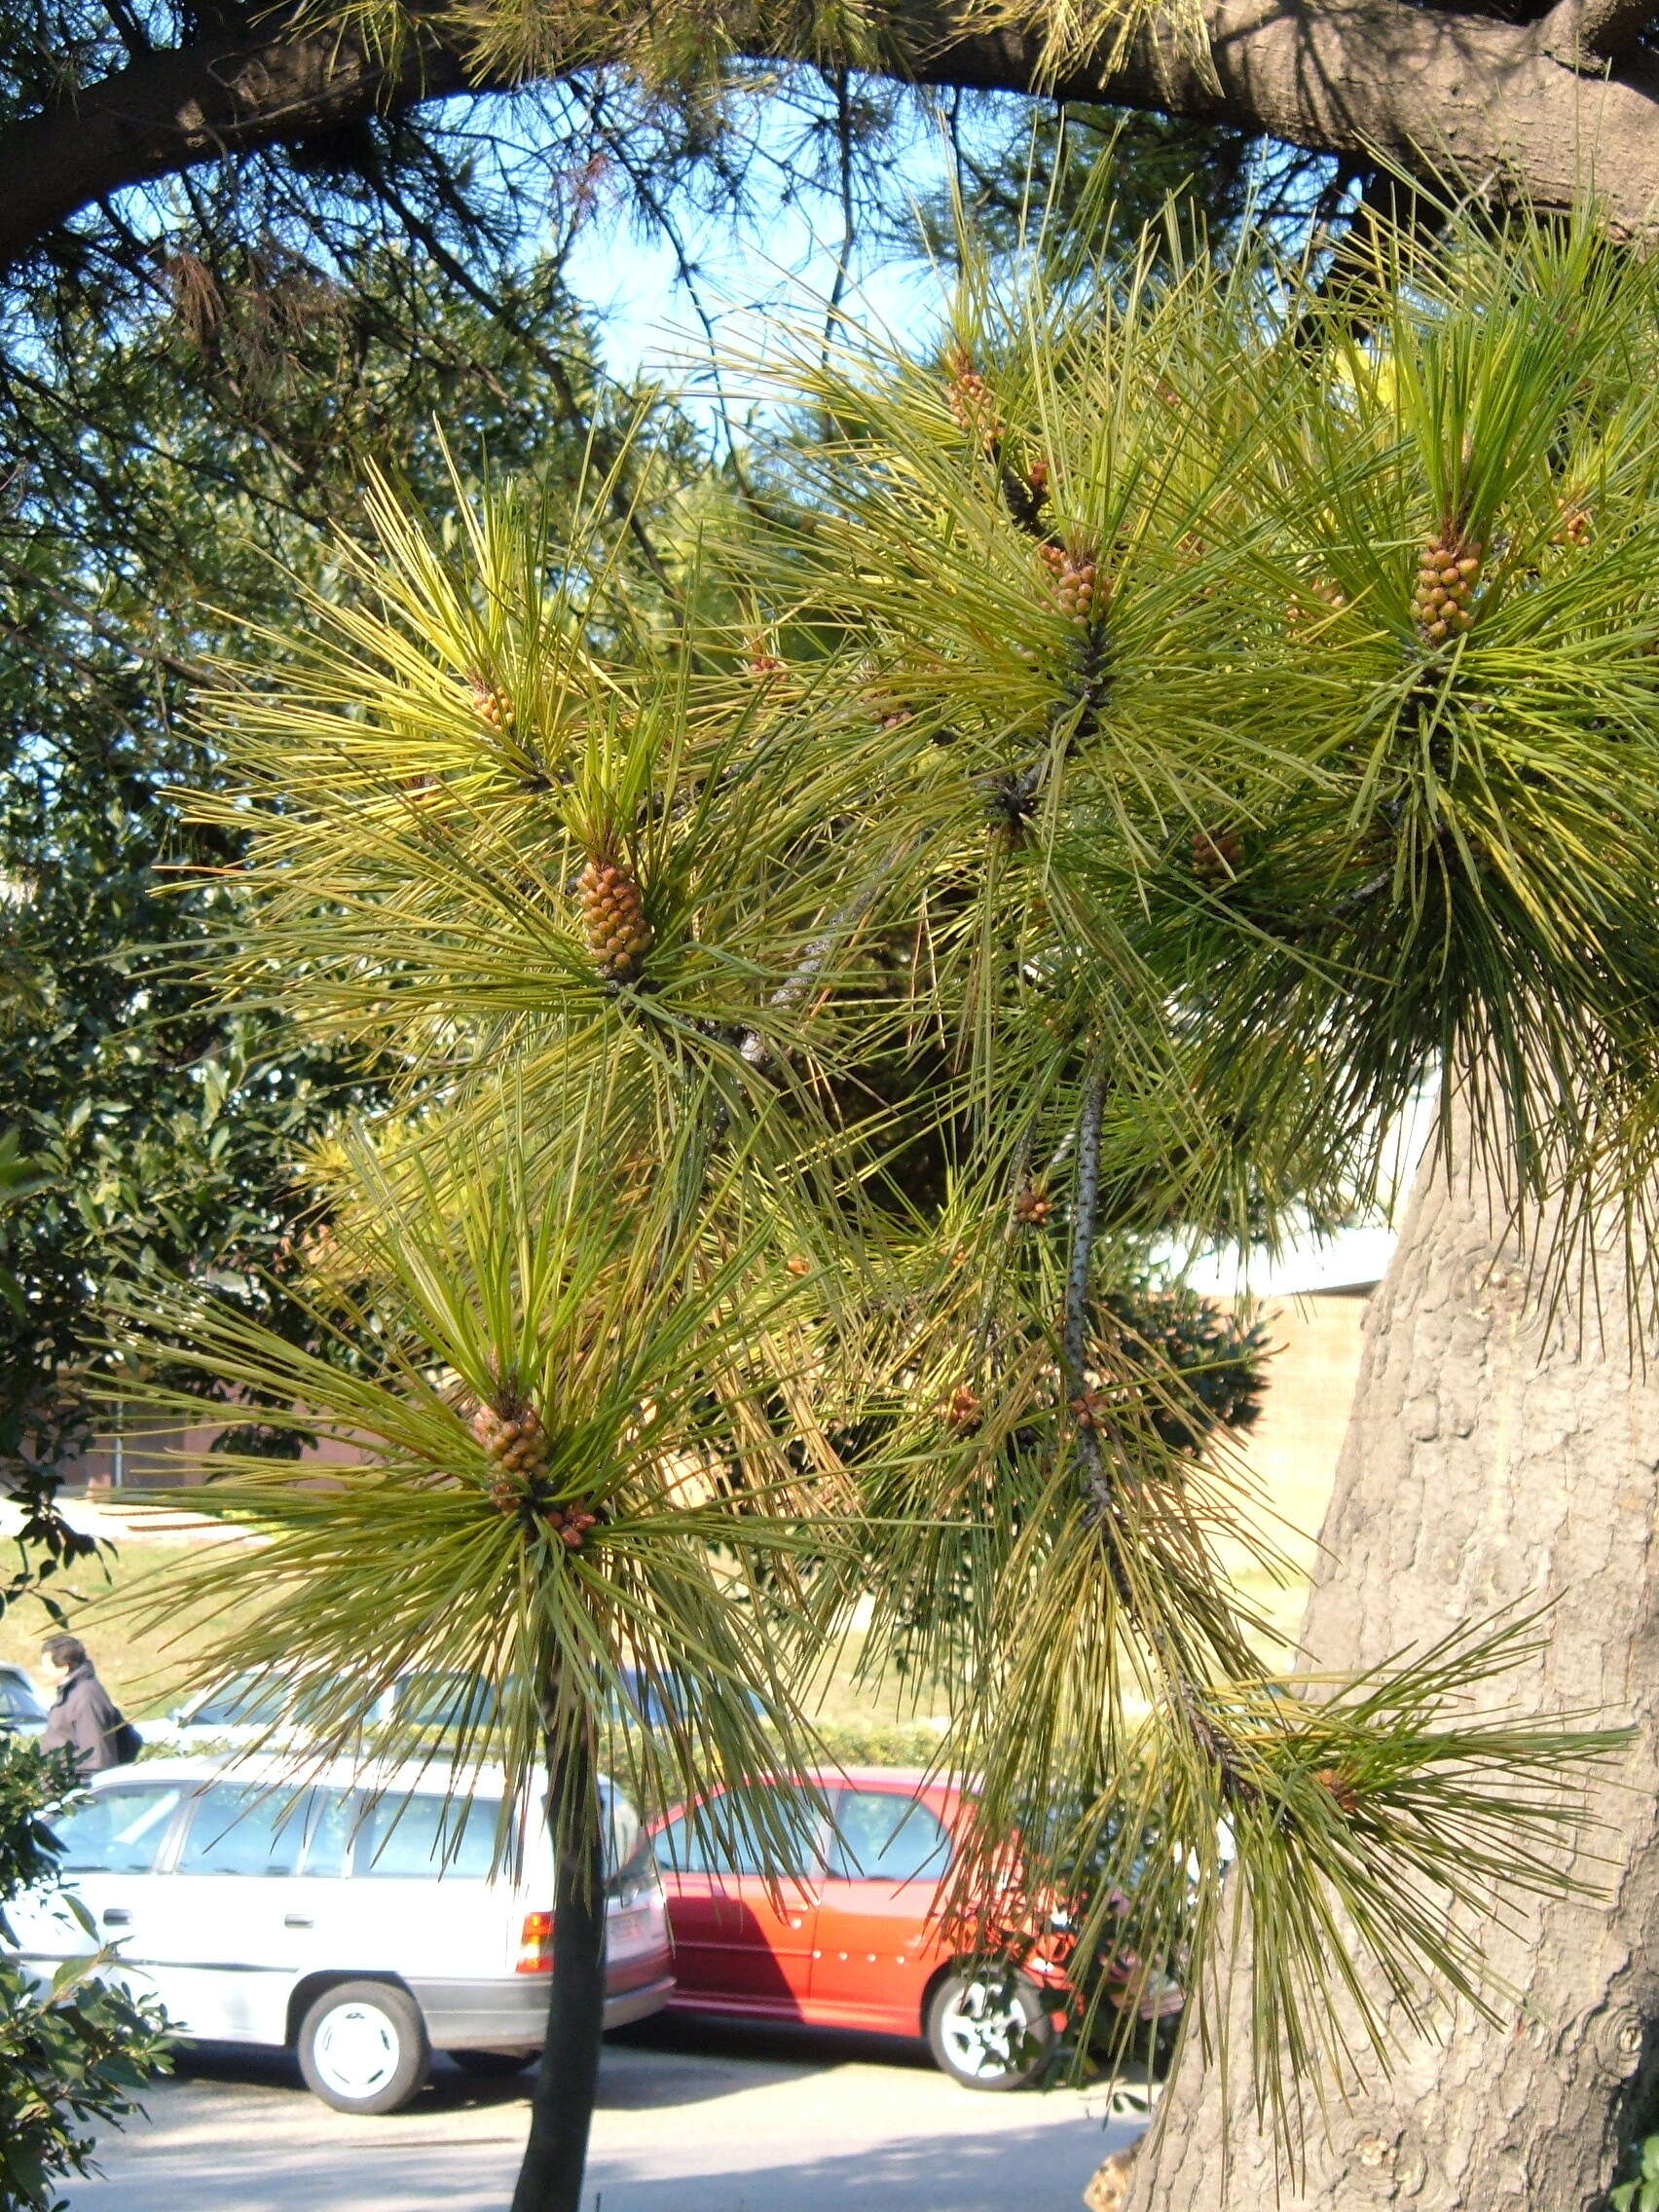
(1518, 111)
(1489, 1458)
(567, 2079)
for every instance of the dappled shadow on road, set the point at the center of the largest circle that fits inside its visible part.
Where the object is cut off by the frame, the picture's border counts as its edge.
(683, 2062)
(243, 2065)
(1020, 2169)
(783, 2046)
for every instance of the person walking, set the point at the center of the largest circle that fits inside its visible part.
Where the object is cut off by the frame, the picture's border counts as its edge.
(83, 1718)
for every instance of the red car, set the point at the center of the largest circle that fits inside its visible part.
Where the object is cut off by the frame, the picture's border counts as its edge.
(849, 1939)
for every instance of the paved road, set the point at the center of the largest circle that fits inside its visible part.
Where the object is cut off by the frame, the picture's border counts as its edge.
(690, 2119)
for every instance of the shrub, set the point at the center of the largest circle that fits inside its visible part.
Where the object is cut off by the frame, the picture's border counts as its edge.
(79, 2051)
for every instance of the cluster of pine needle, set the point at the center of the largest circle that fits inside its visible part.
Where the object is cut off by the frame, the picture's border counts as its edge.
(1179, 740)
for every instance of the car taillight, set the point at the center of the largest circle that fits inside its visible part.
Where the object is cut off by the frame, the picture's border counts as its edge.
(536, 1945)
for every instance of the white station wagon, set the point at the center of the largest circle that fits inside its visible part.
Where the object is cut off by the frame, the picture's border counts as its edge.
(352, 1917)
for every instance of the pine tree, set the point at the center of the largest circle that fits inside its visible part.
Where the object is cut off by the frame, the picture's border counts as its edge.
(1169, 743)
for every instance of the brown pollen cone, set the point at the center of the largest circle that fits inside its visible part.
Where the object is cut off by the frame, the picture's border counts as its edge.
(517, 1443)
(615, 916)
(1339, 1785)
(962, 1410)
(1217, 854)
(1079, 586)
(1032, 1208)
(572, 1526)
(1449, 569)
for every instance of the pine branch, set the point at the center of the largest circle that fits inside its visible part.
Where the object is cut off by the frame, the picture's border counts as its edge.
(1075, 1336)
(755, 1047)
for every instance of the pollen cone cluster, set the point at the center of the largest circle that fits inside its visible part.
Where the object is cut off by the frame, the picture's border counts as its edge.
(493, 704)
(518, 1444)
(572, 1526)
(1448, 572)
(972, 401)
(615, 914)
(1320, 599)
(1077, 584)
(1033, 1207)
(889, 711)
(1092, 1409)
(1573, 528)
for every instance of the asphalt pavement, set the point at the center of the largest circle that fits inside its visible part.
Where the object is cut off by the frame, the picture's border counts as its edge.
(692, 2117)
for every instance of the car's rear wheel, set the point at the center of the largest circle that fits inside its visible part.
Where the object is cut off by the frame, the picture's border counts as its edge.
(990, 2029)
(492, 2065)
(363, 2047)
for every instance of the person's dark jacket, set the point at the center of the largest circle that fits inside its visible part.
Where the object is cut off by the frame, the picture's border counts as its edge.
(84, 1716)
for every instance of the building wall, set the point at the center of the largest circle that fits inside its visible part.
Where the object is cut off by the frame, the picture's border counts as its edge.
(160, 1455)
(1290, 1455)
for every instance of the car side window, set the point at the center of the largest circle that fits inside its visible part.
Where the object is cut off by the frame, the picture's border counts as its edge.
(118, 1831)
(245, 1828)
(403, 1838)
(329, 1828)
(245, 1700)
(885, 1836)
(757, 1830)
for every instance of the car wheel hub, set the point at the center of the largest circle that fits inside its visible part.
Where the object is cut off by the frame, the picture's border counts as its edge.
(981, 2029)
(356, 2051)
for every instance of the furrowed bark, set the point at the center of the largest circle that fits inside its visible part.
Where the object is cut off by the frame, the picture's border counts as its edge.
(1490, 1458)
(567, 2079)
(1513, 111)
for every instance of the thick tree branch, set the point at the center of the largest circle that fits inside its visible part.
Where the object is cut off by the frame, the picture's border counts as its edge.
(1588, 34)
(173, 111)
(1464, 100)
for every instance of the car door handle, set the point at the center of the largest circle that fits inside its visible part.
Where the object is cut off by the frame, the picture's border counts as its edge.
(117, 1916)
(296, 1920)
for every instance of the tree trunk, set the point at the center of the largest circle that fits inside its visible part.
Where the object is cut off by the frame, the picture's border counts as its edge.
(1530, 112)
(1491, 1456)
(567, 2081)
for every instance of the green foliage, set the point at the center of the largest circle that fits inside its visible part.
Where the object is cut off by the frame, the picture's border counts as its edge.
(477, 1292)
(1143, 750)
(185, 469)
(1640, 2193)
(78, 2054)
(877, 1743)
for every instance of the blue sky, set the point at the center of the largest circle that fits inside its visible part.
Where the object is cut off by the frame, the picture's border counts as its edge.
(751, 278)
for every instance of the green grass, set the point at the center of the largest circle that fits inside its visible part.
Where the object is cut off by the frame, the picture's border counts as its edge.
(150, 1668)
(147, 1668)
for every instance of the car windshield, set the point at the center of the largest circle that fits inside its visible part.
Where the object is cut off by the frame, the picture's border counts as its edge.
(245, 1700)
(18, 1700)
(444, 1701)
